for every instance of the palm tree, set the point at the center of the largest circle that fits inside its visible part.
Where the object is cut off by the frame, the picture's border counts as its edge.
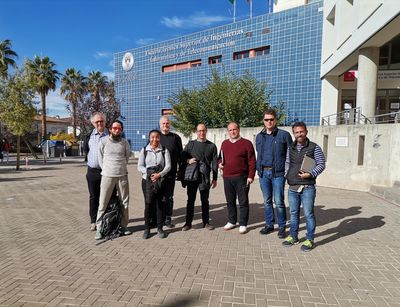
(43, 77)
(73, 87)
(97, 86)
(7, 58)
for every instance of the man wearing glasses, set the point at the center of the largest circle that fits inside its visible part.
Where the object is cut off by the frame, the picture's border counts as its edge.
(114, 152)
(204, 154)
(272, 144)
(93, 175)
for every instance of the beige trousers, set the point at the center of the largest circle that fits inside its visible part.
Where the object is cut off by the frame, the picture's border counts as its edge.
(106, 188)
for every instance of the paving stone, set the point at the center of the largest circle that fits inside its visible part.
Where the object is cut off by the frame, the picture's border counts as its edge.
(51, 258)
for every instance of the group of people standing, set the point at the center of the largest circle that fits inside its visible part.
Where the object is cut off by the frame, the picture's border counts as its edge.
(164, 160)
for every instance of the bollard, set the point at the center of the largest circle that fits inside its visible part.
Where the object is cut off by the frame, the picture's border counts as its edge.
(60, 158)
(26, 162)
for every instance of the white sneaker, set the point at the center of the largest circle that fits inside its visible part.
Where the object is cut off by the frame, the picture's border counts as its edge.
(242, 229)
(229, 226)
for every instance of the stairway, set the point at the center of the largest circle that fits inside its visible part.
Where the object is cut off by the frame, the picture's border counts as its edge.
(391, 194)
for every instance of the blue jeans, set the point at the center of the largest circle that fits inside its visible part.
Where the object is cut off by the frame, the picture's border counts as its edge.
(305, 198)
(273, 187)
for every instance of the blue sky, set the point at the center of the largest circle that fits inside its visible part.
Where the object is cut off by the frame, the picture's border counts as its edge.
(84, 34)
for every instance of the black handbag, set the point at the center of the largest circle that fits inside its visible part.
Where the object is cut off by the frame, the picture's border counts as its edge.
(192, 172)
(158, 185)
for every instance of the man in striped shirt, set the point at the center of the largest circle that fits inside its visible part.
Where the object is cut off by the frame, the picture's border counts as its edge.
(302, 184)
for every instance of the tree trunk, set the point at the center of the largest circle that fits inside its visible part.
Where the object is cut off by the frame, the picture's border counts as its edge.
(18, 151)
(74, 117)
(44, 124)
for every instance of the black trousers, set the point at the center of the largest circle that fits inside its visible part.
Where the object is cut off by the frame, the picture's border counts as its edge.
(153, 205)
(236, 187)
(93, 178)
(192, 187)
(168, 195)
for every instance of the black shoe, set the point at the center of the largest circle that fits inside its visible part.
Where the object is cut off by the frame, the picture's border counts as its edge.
(186, 227)
(146, 234)
(282, 233)
(161, 233)
(208, 226)
(168, 223)
(266, 230)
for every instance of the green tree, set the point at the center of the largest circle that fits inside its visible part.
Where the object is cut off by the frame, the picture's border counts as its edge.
(43, 77)
(97, 87)
(16, 109)
(73, 87)
(223, 99)
(7, 58)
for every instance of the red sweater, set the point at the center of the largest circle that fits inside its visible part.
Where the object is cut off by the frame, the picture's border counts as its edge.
(238, 158)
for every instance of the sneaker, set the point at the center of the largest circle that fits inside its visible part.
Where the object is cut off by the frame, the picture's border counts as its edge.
(186, 227)
(161, 233)
(146, 234)
(282, 233)
(208, 226)
(98, 235)
(266, 230)
(93, 227)
(229, 226)
(125, 231)
(307, 246)
(289, 241)
(242, 229)
(168, 223)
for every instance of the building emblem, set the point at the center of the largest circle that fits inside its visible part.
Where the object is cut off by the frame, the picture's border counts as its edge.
(127, 61)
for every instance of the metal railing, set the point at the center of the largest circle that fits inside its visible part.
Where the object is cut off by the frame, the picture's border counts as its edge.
(354, 116)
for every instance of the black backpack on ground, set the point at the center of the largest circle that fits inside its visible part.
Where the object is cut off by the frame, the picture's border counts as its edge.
(111, 221)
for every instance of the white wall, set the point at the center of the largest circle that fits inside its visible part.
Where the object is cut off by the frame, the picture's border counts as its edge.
(355, 23)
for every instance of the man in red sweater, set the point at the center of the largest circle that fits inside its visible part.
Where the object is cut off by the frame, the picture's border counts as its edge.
(238, 164)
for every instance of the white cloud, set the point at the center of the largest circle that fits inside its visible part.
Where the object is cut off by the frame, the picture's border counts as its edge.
(109, 74)
(55, 104)
(145, 41)
(111, 63)
(196, 20)
(102, 54)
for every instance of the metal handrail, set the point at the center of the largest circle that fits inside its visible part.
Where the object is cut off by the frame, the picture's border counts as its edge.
(354, 116)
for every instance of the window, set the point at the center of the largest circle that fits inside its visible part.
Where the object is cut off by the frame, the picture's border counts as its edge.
(215, 59)
(252, 53)
(265, 31)
(181, 66)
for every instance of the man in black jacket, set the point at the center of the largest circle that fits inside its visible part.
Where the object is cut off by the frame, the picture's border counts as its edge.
(173, 143)
(204, 153)
(93, 175)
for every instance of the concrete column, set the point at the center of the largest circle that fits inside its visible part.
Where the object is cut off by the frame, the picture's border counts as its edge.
(330, 98)
(368, 61)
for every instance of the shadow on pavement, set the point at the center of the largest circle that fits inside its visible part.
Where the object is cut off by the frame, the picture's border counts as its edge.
(349, 227)
(23, 179)
(182, 302)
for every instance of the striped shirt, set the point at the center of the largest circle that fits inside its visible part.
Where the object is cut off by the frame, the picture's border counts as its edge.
(318, 157)
(94, 140)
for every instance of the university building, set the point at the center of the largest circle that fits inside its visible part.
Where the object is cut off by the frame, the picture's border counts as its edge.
(282, 49)
(360, 62)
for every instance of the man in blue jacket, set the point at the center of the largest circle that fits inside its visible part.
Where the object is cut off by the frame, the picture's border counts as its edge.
(272, 145)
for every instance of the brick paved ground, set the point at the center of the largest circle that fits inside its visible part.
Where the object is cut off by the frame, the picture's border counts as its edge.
(48, 255)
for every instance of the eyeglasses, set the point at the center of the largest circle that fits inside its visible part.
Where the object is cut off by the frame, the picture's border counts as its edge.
(201, 131)
(99, 122)
(269, 119)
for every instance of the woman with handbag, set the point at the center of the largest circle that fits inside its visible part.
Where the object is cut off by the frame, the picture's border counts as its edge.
(154, 163)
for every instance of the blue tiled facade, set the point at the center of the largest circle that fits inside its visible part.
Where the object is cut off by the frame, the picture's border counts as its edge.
(291, 69)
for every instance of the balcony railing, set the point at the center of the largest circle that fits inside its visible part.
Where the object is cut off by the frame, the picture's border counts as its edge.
(354, 116)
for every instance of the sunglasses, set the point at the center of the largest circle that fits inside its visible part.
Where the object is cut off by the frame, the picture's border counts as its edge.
(269, 119)
(115, 128)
